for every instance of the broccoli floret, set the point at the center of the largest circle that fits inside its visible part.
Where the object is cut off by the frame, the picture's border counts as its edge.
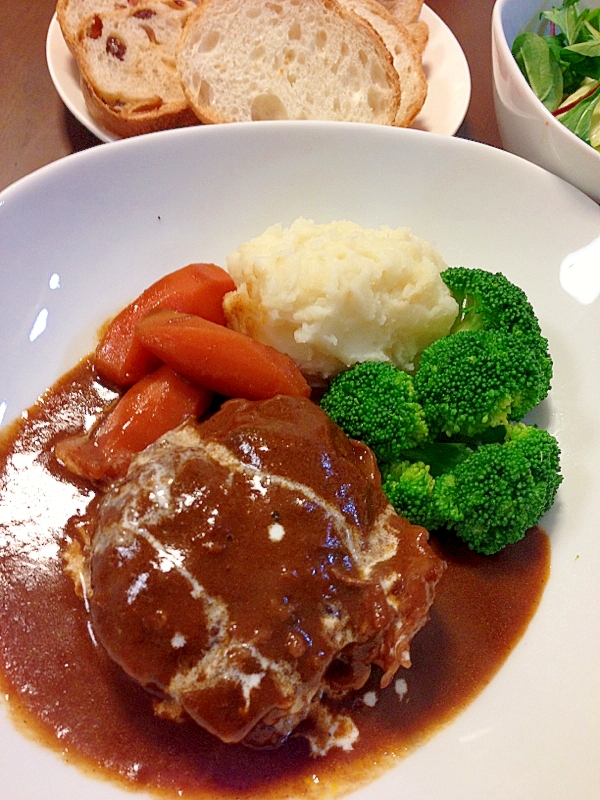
(490, 500)
(542, 452)
(494, 496)
(409, 488)
(473, 380)
(490, 496)
(409, 484)
(489, 301)
(375, 402)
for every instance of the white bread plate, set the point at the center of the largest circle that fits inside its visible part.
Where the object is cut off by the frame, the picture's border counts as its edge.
(445, 65)
(82, 236)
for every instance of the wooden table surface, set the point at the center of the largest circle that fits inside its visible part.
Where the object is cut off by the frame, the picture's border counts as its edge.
(36, 128)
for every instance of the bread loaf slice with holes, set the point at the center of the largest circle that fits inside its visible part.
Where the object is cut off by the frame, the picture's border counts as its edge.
(406, 57)
(128, 72)
(285, 59)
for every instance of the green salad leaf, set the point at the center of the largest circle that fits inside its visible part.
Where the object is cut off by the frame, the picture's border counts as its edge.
(579, 118)
(590, 49)
(538, 63)
(567, 19)
(580, 67)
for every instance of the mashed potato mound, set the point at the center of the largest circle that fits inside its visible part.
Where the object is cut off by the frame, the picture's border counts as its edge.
(337, 294)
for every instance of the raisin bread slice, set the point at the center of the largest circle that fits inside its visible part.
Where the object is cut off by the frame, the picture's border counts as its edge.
(127, 63)
(406, 57)
(285, 59)
(70, 13)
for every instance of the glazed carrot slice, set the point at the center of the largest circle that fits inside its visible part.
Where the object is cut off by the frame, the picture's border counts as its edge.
(195, 289)
(219, 358)
(154, 405)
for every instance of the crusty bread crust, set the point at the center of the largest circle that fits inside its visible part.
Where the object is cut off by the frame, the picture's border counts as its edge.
(406, 57)
(117, 121)
(126, 61)
(258, 59)
(419, 32)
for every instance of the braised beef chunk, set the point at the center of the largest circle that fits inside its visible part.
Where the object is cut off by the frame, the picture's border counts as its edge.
(249, 564)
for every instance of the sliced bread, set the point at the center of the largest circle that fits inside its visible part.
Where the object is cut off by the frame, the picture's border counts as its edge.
(405, 11)
(406, 56)
(419, 32)
(127, 63)
(285, 59)
(71, 12)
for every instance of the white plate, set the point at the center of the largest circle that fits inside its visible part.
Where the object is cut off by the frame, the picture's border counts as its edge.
(103, 224)
(444, 63)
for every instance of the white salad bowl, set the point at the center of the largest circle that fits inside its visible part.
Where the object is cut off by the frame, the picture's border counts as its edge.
(80, 238)
(526, 127)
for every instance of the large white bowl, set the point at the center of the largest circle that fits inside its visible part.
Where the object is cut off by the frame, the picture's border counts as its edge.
(527, 128)
(81, 237)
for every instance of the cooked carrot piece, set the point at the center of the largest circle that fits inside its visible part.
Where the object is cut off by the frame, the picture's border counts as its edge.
(195, 289)
(219, 358)
(81, 456)
(154, 405)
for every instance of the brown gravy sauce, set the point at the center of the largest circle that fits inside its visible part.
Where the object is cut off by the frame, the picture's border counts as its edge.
(64, 691)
